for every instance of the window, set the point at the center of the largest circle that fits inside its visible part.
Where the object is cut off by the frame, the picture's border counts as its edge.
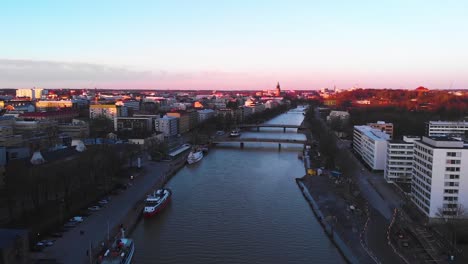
(452, 176)
(452, 169)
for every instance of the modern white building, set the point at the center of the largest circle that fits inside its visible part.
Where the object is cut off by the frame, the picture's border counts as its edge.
(399, 160)
(439, 186)
(371, 145)
(168, 125)
(447, 128)
(205, 114)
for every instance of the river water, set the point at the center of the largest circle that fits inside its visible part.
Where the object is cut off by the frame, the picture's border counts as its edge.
(238, 206)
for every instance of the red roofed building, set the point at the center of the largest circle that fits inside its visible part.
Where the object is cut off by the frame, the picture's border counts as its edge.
(60, 116)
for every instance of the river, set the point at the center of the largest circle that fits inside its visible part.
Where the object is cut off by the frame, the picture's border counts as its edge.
(238, 206)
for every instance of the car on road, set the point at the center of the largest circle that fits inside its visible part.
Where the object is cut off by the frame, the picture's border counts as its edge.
(219, 133)
(94, 208)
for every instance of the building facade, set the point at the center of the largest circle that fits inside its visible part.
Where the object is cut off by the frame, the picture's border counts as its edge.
(205, 114)
(371, 145)
(438, 186)
(399, 160)
(34, 94)
(382, 126)
(167, 125)
(447, 128)
(76, 129)
(187, 119)
(108, 111)
(138, 125)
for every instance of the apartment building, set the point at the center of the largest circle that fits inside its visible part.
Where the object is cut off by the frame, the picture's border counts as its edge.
(205, 114)
(141, 124)
(35, 93)
(438, 185)
(447, 128)
(76, 129)
(168, 125)
(399, 160)
(187, 119)
(109, 111)
(341, 115)
(383, 126)
(371, 145)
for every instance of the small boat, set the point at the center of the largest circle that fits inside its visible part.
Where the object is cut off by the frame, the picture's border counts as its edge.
(195, 156)
(235, 133)
(121, 252)
(155, 202)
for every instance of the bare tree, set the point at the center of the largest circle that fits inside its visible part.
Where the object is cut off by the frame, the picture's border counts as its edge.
(451, 214)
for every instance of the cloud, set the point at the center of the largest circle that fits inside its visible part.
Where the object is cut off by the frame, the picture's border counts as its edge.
(28, 73)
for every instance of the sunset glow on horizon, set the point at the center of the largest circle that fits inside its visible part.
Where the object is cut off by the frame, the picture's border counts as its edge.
(234, 44)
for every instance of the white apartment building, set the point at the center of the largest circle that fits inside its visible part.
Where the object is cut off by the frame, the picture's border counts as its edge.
(399, 160)
(205, 114)
(446, 128)
(438, 183)
(168, 125)
(371, 145)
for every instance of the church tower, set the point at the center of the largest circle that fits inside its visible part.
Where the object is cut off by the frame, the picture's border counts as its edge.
(278, 90)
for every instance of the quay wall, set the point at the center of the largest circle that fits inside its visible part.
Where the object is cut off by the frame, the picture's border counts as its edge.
(334, 237)
(135, 214)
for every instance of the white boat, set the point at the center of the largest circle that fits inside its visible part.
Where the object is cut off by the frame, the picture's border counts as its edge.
(194, 156)
(156, 202)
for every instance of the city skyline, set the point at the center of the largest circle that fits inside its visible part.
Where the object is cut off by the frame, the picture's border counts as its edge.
(230, 46)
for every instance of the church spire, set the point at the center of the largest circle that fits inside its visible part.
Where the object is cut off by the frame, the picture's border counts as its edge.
(278, 90)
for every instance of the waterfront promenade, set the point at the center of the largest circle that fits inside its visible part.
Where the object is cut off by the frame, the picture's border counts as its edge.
(73, 246)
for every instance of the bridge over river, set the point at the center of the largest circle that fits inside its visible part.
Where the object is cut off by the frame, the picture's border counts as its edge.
(242, 140)
(258, 126)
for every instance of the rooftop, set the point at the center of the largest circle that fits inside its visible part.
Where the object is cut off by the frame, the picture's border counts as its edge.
(373, 133)
(460, 122)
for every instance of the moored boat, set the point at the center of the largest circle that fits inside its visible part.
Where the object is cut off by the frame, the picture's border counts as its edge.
(194, 156)
(155, 202)
(121, 252)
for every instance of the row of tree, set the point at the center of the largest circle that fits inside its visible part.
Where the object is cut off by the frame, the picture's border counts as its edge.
(65, 184)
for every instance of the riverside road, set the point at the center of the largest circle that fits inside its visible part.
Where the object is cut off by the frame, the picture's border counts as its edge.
(73, 246)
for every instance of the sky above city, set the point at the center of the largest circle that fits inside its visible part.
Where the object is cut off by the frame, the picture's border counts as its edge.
(238, 44)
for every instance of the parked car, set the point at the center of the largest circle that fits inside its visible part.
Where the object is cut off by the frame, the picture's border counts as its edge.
(57, 234)
(70, 224)
(45, 243)
(219, 133)
(77, 219)
(94, 208)
(103, 201)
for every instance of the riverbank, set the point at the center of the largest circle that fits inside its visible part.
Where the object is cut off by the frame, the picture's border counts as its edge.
(123, 209)
(134, 214)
